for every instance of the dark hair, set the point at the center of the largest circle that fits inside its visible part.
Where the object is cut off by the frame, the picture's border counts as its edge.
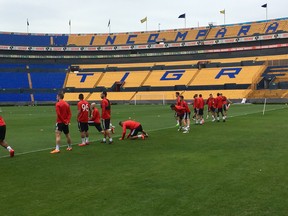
(172, 105)
(200, 95)
(60, 95)
(81, 96)
(181, 96)
(104, 93)
(120, 122)
(177, 93)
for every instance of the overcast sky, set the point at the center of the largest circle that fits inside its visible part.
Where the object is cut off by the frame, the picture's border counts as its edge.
(92, 16)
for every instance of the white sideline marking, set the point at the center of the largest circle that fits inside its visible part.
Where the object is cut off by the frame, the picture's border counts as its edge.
(158, 129)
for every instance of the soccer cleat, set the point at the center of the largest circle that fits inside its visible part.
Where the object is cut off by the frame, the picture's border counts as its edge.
(177, 125)
(82, 144)
(186, 131)
(11, 153)
(87, 143)
(146, 135)
(103, 141)
(113, 129)
(69, 149)
(55, 151)
(110, 142)
(224, 120)
(142, 136)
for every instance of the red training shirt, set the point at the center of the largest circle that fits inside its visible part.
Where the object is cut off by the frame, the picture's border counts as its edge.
(83, 111)
(63, 112)
(106, 108)
(95, 116)
(185, 105)
(200, 103)
(2, 122)
(219, 102)
(179, 109)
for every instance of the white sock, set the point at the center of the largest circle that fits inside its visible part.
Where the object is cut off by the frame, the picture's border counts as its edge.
(104, 139)
(9, 148)
(110, 139)
(57, 147)
(83, 140)
(87, 139)
(69, 145)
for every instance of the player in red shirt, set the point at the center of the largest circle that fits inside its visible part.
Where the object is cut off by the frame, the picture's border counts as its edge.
(178, 103)
(211, 107)
(200, 106)
(219, 107)
(195, 104)
(134, 127)
(226, 105)
(186, 114)
(82, 118)
(63, 113)
(180, 112)
(105, 117)
(2, 137)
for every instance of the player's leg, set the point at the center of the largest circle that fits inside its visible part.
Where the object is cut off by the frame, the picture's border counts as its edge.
(107, 127)
(86, 127)
(3, 143)
(58, 131)
(68, 138)
(81, 127)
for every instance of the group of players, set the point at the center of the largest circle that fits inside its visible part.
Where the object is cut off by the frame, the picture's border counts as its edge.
(216, 106)
(89, 115)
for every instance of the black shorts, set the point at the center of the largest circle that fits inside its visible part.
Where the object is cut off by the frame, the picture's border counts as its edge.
(211, 109)
(137, 130)
(201, 112)
(187, 115)
(219, 110)
(83, 126)
(97, 125)
(105, 124)
(225, 107)
(62, 128)
(195, 110)
(2, 132)
(181, 116)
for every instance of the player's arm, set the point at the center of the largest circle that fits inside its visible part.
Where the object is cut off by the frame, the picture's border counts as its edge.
(69, 115)
(59, 113)
(93, 116)
(79, 111)
(103, 107)
(123, 132)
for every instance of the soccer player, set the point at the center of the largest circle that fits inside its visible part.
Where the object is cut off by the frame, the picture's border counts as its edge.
(94, 119)
(105, 117)
(135, 128)
(63, 113)
(226, 105)
(180, 112)
(211, 107)
(187, 113)
(82, 118)
(200, 107)
(2, 137)
(178, 103)
(219, 107)
(195, 104)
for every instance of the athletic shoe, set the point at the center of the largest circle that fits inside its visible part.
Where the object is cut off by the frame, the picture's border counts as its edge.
(142, 136)
(113, 129)
(177, 125)
(69, 149)
(87, 143)
(11, 153)
(103, 141)
(82, 144)
(224, 120)
(146, 135)
(110, 142)
(55, 151)
(186, 131)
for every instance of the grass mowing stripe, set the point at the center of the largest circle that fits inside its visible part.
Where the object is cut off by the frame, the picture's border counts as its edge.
(158, 129)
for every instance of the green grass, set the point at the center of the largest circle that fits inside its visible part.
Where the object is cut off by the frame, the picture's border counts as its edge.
(235, 168)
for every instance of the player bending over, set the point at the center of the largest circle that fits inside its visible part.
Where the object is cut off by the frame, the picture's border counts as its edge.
(135, 128)
(2, 137)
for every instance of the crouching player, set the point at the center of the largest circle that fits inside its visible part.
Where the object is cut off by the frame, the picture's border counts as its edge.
(135, 128)
(2, 137)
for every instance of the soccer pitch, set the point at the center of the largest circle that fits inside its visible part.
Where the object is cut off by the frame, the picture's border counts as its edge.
(234, 168)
